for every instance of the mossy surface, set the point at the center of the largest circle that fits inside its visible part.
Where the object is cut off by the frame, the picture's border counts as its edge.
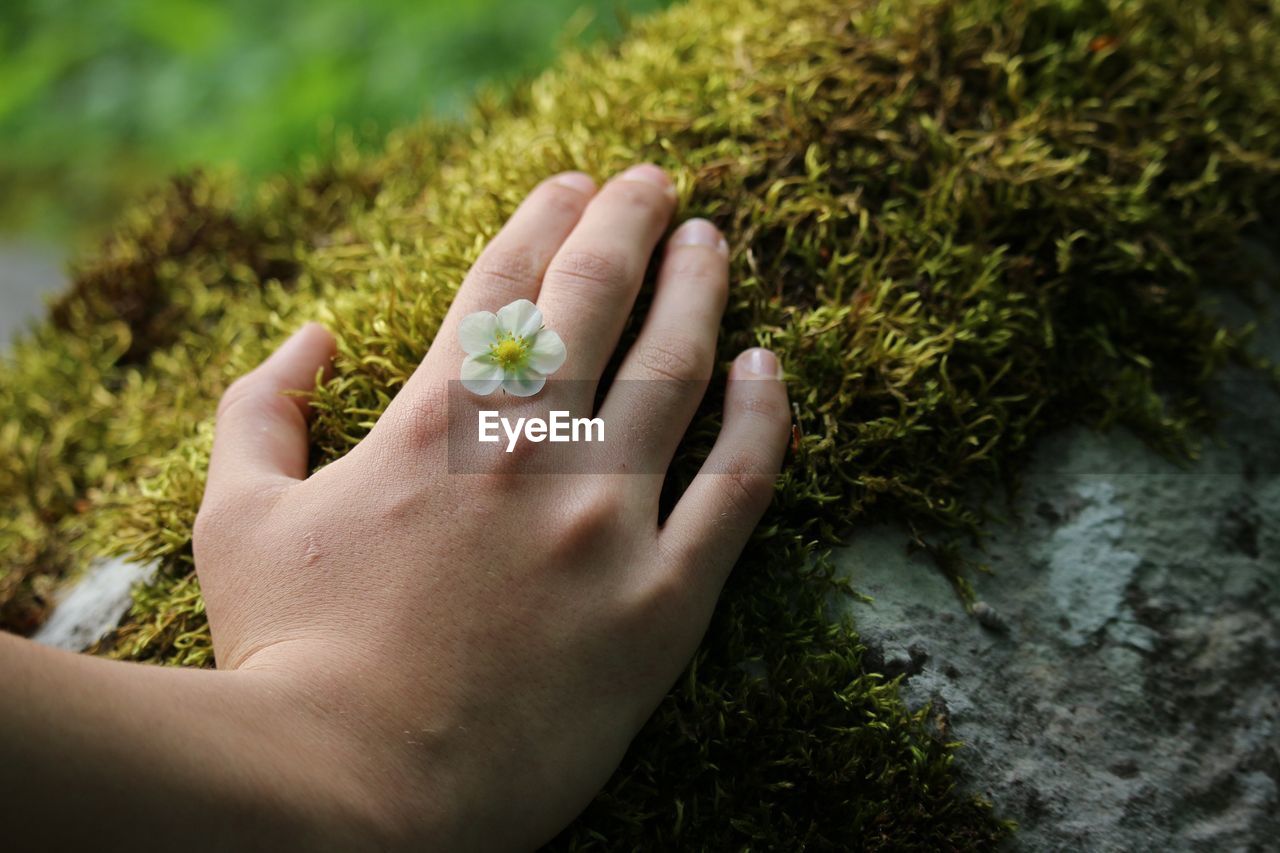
(961, 224)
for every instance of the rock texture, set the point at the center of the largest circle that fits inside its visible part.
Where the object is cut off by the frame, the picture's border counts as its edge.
(88, 609)
(1118, 688)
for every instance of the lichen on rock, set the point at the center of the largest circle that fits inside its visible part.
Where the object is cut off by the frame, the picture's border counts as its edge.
(961, 223)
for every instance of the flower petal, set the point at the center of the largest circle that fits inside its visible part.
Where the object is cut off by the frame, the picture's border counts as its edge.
(480, 376)
(477, 332)
(523, 384)
(547, 353)
(521, 318)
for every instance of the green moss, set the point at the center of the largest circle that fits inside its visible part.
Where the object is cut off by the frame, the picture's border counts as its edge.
(961, 224)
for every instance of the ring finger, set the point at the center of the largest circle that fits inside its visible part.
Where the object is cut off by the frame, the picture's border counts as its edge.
(665, 374)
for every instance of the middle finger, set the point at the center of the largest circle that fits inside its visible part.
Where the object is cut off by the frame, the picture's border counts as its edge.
(592, 282)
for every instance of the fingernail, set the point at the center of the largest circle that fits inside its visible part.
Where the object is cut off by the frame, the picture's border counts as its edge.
(700, 232)
(761, 362)
(650, 174)
(579, 181)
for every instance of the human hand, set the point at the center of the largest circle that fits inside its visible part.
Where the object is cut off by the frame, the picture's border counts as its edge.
(483, 647)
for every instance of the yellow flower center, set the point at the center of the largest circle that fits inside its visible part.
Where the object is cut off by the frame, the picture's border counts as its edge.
(509, 352)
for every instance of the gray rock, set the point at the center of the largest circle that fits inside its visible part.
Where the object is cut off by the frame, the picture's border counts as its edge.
(94, 604)
(1119, 689)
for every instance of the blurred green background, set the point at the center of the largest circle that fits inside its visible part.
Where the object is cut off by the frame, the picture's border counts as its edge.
(101, 97)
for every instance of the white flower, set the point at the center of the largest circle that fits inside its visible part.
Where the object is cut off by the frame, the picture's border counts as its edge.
(510, 350)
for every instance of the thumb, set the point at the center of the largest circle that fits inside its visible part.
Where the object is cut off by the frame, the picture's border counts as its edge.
(261, 432)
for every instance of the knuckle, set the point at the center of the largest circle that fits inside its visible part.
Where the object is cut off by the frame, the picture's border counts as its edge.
(202, 531)
(702, 271)
(675, 357)
(215, 520)
(524, 457)
(591, 268)
(595, 520)
(642, 196)
(395, 504)
(747, 482)
(763, 406)
(226, 519)
(511, 269)
(238, 392)
(659, 595)
(560, 201)
(255, 391)
(422, 419)
(706, 269)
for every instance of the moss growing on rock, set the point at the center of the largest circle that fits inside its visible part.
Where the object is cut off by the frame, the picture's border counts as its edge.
(961, 223)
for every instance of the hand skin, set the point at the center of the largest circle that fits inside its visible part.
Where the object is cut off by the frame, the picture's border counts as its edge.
(408, 658)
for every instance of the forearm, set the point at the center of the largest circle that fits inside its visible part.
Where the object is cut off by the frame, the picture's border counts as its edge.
(101, 753)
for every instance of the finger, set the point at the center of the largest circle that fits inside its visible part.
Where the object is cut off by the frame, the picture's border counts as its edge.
(714, 518)
(592, 282)
(665, 374)
(261, 433)
(512, 266)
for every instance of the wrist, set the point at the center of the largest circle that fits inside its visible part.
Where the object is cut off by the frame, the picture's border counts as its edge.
(358, 763)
